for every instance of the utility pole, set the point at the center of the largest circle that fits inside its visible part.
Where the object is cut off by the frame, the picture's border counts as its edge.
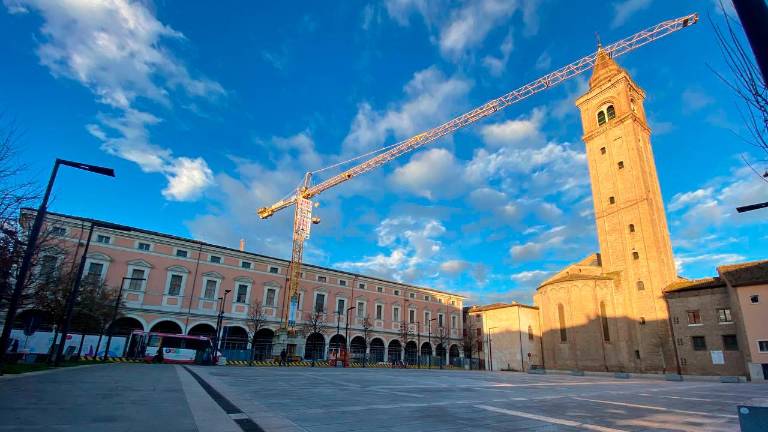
(110, 330)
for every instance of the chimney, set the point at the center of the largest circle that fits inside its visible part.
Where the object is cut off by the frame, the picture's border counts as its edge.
(242, 245)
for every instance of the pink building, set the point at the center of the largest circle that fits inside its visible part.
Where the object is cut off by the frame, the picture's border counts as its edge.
(185, 280)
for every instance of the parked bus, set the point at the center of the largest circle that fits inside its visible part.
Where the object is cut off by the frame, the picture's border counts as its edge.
(171, 348)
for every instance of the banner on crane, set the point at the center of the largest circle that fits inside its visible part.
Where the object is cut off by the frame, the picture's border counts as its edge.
(292, 310)
(303, 217)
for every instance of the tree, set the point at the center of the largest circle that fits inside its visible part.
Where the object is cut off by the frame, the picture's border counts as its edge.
(470, 337)
(366, 327)
(747, 83)
(255, 322)
(442, 336)
(314, 322)
(405, 334)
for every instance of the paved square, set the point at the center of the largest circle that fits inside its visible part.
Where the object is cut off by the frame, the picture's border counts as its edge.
(141, 397)
(414, 400)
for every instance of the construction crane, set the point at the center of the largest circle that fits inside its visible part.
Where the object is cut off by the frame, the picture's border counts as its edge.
(303, 219)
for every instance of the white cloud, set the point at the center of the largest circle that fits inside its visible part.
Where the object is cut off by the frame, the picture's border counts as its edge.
(116, 49)
(544, 61)
(530, 275)
(430, 98)
(681, 200)
(463, 30)
(711, 259)
(533, 250)
(623, 10)
(523, 131)
(428, 174)
(496, 65)
(413, 244)
(695, 100)
(454, 266)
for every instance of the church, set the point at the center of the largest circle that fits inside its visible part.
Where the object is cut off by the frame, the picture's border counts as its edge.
(610, 312)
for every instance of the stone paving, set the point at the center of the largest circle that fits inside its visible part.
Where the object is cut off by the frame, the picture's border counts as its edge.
(126, 397)
(414, 400)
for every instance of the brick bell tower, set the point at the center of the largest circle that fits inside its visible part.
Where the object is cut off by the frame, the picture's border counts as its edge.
(629, 210)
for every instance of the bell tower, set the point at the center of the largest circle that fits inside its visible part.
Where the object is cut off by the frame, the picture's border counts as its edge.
(629, 211)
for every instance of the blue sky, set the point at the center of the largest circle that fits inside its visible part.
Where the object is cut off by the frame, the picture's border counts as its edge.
(210, 111)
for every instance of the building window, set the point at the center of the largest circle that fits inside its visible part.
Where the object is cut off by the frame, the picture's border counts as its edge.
(561, 318)
(439, 320)
(59, 231)
(631, 227)
(397, 292)
(453, 322)
(426, 297)
(174, 285)
(380, 289)
(269, 298)
(612, 200)
(621, 164)
(361, 286)
(640, 286)
(601, 118)
(530, 333)
(210, 289)
(637, 354)
(602, 150)
(611, 111)
(604, 321)
(632, 105)
(319, 302)
(379, 311)
(680, 341)
(427, 318)
(276, 270)
(137, 282)
(724, 315)
(411, 316)
(395, 313)
(340, 305)
(694, 317)
(242, 293)
(479, 332)
(453, 302)
(730, 343)
(342, 282)
(143, 246)
(754, 299)
(412, 295)
(215, 259)
(360, 309)
(94, 271)
(246, 265)
(699, 343)
(676, 320)
(762, 346)
(104, 239)
(322, 279)
(181, 253)
(635, 255)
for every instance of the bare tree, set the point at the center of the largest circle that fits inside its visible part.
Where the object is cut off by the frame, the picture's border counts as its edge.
(314, 322)
(405, 334)
(746, 82)
(366, 328)
(442, 336)
(256, 321)
(470, 337)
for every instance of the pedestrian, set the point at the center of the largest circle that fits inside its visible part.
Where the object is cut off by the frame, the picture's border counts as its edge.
(283, 358)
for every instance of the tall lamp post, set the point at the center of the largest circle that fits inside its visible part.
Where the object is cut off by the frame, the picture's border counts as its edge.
(346, 331)
(338, 324)
(75, 291)
(34, 233)
(220, 319)
(111, 327)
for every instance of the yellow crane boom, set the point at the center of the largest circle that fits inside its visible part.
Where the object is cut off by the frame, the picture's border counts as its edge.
(303, 211)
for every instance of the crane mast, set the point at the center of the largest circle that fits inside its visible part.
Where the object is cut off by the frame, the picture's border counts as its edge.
(302, 197)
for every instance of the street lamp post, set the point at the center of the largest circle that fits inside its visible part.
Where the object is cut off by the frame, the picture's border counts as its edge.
(110, 329)
(34, 233)
(220, 319)
(346, 331)
(338, 323)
